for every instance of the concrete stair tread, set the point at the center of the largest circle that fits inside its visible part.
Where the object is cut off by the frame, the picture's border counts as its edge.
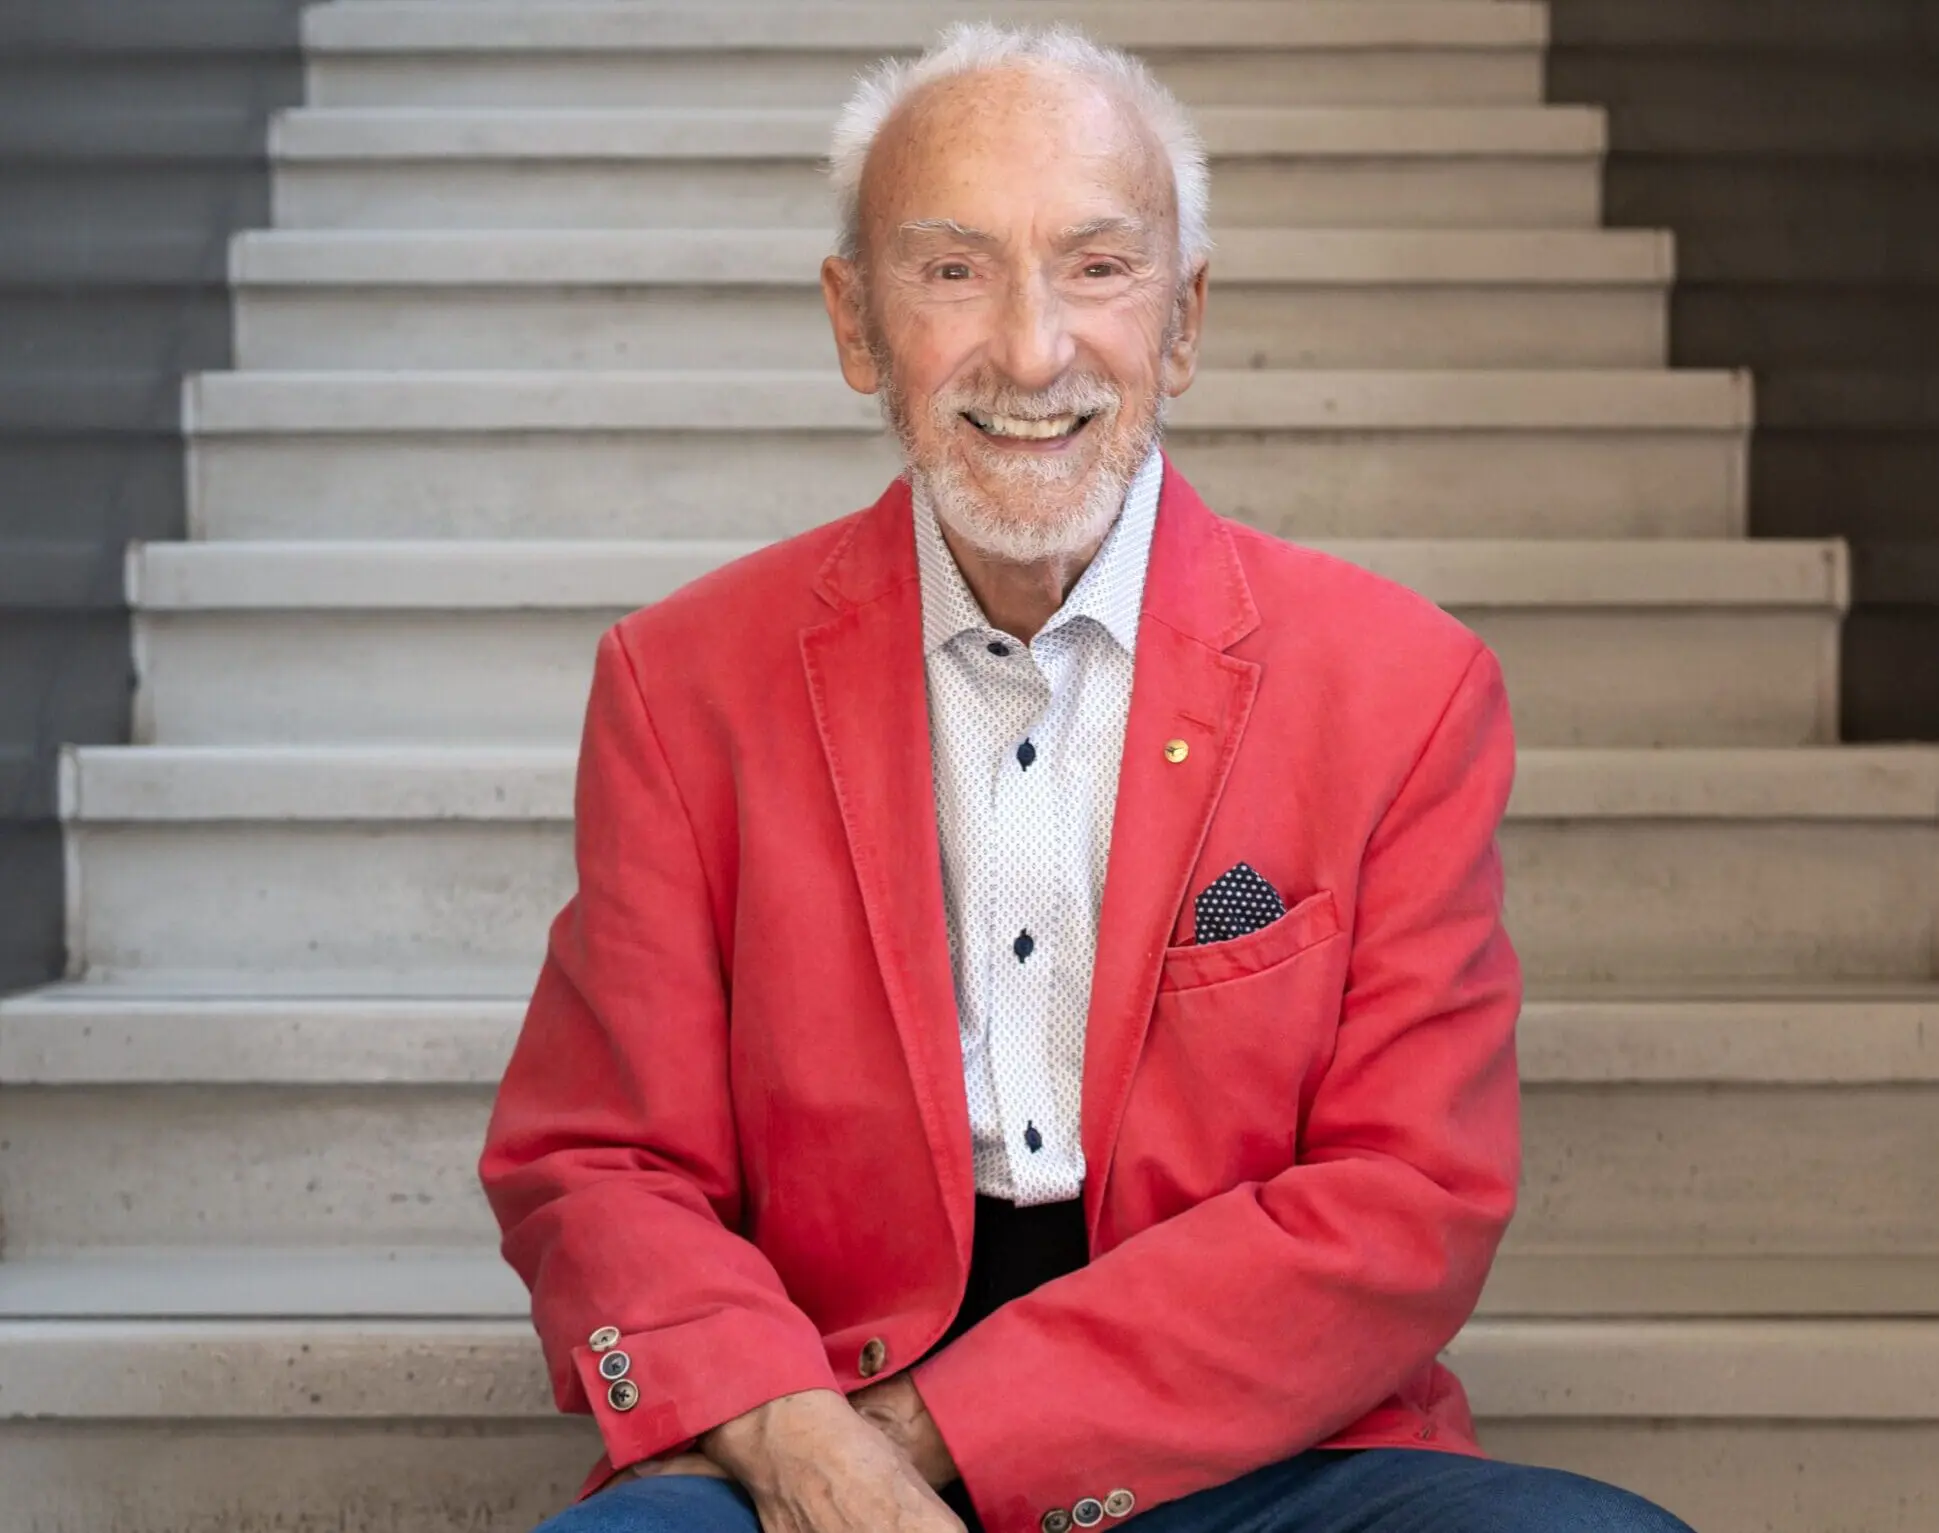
(260, 1283)
(431, 576)
(613, 135)
(385, 26)
(147, 1033)
(1846, 1370)
(708, 299)
(243, 1283)
(215, 784)
(385, 403)
(517, 258)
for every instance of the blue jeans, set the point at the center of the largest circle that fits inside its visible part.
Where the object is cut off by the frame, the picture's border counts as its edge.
(1375, 1490)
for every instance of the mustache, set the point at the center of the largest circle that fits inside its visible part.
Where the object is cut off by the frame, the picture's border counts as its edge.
(1075, 394)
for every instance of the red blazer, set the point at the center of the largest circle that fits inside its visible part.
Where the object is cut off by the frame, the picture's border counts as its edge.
(734, 1126)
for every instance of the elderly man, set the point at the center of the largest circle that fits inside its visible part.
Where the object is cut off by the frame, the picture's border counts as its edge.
(1033, 1042)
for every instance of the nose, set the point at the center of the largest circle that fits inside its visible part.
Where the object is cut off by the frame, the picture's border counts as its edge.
(1032, 344)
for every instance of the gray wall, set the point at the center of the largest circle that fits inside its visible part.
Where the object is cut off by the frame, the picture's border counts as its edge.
(1793, 145)
(131, 144)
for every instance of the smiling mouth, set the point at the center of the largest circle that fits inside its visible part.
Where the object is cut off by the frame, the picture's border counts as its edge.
(1016, 428)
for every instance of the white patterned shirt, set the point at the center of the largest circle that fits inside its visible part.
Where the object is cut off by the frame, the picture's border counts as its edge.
(1025, 745)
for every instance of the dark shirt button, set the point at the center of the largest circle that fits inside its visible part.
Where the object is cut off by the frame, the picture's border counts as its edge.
(1023, 946)
(999, 648)
(1032, 1138)
(1026, 753)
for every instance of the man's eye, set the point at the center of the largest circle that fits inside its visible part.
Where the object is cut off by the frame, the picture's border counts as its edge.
(954, 271)
(1102, 269)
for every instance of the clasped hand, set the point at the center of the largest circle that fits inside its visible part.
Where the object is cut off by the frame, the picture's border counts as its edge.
(818, 1463)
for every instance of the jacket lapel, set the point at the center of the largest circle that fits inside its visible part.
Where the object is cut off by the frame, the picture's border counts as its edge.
(1185, 688)
(867, 682)
(866, 679)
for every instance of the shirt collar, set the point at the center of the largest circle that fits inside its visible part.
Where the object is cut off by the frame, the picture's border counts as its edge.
(1110, 591)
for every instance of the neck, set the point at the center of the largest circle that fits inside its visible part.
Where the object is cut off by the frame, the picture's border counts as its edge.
(1019, 599)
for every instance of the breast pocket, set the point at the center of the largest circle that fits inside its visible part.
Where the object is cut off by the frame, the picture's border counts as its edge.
(1307, 924)
(1241, 1033)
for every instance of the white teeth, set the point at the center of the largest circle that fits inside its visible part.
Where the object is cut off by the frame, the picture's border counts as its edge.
(1034, 430)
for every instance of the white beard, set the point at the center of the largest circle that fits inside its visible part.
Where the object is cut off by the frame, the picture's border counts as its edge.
(988, 527)
(998, 529)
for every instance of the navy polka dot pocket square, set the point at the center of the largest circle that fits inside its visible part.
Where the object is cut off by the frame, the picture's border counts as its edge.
(1236, 902)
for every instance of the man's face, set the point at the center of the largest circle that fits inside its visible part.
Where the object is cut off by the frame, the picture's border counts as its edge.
(1020, 308)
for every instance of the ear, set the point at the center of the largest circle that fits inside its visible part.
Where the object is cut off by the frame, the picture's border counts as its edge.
(841, 293)
(1188, 324)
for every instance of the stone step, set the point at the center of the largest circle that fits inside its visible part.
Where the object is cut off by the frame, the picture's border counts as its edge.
(1645, 865)
(1684, 1152)
(1604, 643)
(1594, 453)
(1213, 52)
(471, 1281)
(457, 1028)
(447, 1426)
(751, 298)
(263, 1283)
(377, 168)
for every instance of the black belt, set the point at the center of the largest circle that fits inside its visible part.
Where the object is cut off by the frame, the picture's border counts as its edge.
(1016, 1250)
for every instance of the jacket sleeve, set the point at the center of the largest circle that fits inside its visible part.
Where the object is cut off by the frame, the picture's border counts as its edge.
(611, 1158)
(1260, 1322)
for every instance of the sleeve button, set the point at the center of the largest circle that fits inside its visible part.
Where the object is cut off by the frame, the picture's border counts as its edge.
(604, 1339)
(1088, 1513)
(874, 1354)
(624, 1395)
(615, 1365)
(1119, 1503)
(1056, 1520)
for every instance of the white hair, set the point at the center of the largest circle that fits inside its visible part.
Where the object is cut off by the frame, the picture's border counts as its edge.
(969, 47)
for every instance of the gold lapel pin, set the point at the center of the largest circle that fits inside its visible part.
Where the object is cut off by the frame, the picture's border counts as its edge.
(1176, 750)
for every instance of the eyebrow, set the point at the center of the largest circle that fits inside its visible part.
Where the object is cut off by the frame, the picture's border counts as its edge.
(947, 226)
(1113, 224)
(1077, 234)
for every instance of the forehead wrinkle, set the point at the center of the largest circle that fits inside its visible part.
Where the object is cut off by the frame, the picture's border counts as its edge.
(926, 128)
